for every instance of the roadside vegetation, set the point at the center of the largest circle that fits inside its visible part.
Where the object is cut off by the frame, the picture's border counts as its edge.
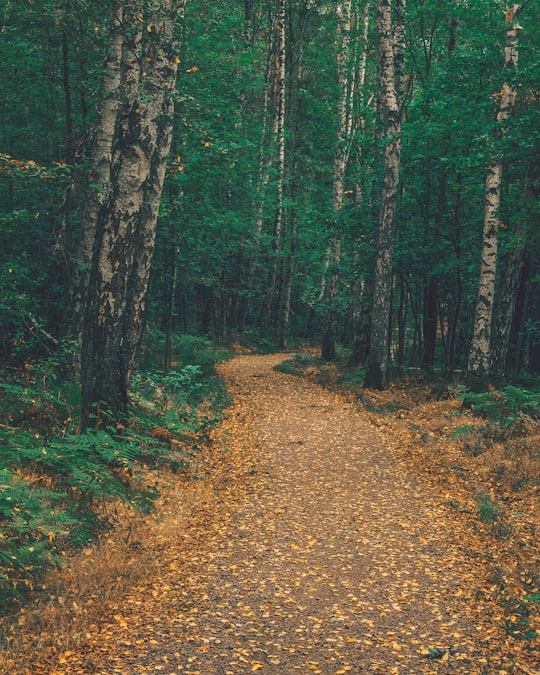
(480, 447)
(61, 491)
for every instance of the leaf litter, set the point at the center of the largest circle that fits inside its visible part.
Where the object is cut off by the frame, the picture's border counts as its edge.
(312, 549)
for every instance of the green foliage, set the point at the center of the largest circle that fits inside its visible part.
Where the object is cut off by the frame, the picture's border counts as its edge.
(55, 483)
(490, 512)
(298, 364)
(189, 350)
(53, 480)
(509, 408)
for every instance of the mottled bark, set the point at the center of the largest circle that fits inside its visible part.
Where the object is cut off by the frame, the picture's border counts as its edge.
(479, 354)
(96, 190)
(126, 224)
(279, 122)
(98, 177)
(382, 292)
(346, 80)
(511, 282)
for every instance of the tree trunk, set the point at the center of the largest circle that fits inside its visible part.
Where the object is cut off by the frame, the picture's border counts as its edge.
(280, 161)
(402, 321)
(390, 107)
(429, 320)
(263, 173)
(296, 59)
(346, 85)
(170, 297)
(514, 272)
(479, 354)
(98, 181)
(127, 220)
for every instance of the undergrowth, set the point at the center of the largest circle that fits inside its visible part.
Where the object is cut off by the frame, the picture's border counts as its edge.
(57, 485)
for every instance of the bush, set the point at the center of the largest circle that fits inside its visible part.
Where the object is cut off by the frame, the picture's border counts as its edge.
(192, 350)
(510, 408)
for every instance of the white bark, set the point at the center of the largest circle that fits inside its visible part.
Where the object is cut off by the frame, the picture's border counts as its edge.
(391, 113)
(479, 354)
(126, 226)
(99, 173)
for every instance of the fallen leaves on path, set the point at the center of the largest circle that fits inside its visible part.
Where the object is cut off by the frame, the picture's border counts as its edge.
(311, 550)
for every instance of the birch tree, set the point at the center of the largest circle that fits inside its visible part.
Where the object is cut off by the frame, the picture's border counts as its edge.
(391, 115)
(95, 195)
(479, 353)
(126, 222)
(346, 80)
(279, 133)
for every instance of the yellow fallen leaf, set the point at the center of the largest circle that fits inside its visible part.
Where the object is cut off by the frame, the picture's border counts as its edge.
(257, 666)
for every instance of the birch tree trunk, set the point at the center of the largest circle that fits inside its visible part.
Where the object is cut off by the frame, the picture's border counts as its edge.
(97, 187)
(126, 223)
(296, 59)
(341, 157)
(391, 114)
(479, 353)
(508, 300)
(279, 121)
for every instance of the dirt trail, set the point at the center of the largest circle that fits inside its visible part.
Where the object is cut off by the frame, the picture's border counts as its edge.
(315, 554)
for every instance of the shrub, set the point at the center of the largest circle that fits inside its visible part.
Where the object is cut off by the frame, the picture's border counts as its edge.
(510, 408)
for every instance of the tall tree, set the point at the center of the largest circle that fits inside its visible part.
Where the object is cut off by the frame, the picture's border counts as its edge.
(297, 20)
(479, 353)
(279, 133)
(346, 81)
(98, 181)
(126, 224)
(390, 83)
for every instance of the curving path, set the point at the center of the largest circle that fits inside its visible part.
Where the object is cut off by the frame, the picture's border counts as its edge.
(319, 555)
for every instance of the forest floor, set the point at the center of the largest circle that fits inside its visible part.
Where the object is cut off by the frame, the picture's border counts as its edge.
(315, 536)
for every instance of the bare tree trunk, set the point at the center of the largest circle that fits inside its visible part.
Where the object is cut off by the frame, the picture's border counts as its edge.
(171, 278)
(391, 113)
(126, 225)
(296, 59)
(341, 157)
(479, 353)
(280, 168)
(430, 303)
(359, 302)
(513, 276)
(287, 282)
(263, 174)
(97, 188)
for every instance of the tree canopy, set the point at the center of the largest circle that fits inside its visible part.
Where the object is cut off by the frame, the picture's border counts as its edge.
(269, 99)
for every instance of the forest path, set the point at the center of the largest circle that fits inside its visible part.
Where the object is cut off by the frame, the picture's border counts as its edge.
(315, 553)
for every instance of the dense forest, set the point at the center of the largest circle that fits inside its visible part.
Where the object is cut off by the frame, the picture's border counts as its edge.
(357, 174)
(362, 175)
